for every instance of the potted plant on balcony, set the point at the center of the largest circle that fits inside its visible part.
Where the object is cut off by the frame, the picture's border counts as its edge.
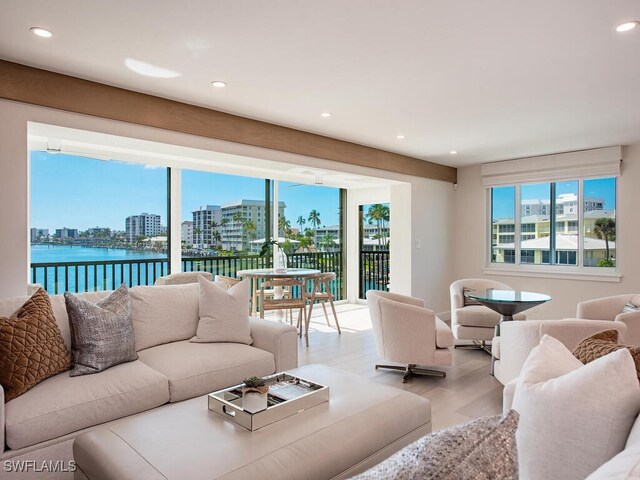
(254, 394)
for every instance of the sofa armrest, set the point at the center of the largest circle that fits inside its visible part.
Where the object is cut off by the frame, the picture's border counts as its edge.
(632, 321)
(507, 395)
(278, 338)
(517, 339)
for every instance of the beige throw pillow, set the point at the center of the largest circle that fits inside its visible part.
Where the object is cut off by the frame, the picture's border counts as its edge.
(573, 417)
(224, 314)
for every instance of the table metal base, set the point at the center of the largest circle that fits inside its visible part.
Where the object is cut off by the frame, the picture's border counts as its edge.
(477, 345)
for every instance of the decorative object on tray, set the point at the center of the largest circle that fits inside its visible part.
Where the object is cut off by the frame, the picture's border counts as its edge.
(286, 395)
(254, 394)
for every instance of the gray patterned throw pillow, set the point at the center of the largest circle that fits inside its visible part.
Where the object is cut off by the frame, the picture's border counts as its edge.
(478, 450)
(101, 333)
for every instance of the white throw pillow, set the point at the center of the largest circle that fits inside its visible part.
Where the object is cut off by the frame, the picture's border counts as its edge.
(625, 465)
(573, 417)
(224, 314)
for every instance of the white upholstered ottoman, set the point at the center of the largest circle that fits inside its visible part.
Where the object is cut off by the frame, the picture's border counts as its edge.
(362, 424)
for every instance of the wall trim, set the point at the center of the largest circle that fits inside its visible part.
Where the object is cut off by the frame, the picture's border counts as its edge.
(35, 86)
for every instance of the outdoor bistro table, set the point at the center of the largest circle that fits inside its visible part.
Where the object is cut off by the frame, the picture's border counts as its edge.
(507, 303)
(270, 273)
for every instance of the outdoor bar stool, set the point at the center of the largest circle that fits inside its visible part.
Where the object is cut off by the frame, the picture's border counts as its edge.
(321, 292)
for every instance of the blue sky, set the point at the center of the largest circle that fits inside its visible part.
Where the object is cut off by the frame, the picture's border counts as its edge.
(503, 197)
(77, 192)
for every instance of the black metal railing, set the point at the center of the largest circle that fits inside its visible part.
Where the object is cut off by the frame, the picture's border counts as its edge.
(110, 274)
(97, 275)
(374, 271)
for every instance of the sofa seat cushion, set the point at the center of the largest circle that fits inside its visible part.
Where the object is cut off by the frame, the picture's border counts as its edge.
(199, 368)
(65, 404)
(444, 335)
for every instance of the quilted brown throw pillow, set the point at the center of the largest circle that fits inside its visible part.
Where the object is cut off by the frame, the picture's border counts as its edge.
(31, 347)
(101, 333)
(601, 344)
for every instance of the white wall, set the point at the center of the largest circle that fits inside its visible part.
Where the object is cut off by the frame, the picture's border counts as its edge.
(469, 243)
(428, 204)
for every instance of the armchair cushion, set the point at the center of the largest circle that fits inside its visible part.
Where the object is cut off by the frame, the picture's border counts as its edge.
(477, 316)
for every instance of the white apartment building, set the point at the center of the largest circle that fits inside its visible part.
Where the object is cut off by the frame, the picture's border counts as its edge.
(235, 235)
(566, 203)
(143, 225)
(202, 226)
(186, 232)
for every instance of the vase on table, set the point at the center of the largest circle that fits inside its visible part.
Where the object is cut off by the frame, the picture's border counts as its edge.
(281, 261)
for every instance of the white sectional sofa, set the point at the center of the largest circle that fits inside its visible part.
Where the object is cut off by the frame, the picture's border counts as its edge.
(517, 339)
(41, 423)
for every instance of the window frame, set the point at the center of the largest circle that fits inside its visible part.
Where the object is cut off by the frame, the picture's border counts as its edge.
(556, 270)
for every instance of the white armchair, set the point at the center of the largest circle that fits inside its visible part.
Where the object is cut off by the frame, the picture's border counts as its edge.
(517, 339)
(408, 333)
(610, 308)
(474, 322)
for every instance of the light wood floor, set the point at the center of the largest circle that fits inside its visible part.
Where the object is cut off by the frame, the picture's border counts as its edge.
(467, 392)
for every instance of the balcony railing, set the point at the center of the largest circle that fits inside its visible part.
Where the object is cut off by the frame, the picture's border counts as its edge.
(374, 271)
(90, 276)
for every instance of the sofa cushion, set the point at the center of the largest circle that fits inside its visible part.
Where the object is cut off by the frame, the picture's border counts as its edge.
(101, 333)
(31, 346)
(444, 335)
(483, 448)
(603, 343)
(625, 465)
(65, 404)
(199, 368)
(224, 313)
(164, 313)
(573, 417)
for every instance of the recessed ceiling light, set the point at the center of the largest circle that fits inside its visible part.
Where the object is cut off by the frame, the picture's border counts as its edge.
(626, 26)
(219, 84)
(400, 137)
(149, 70)
(41, 32)
(453, 152)
(325, 115)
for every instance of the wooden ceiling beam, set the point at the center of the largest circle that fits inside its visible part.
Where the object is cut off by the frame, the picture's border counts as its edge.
(63, 92)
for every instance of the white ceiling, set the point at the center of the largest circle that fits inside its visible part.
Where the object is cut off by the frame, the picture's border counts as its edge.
(489, 78)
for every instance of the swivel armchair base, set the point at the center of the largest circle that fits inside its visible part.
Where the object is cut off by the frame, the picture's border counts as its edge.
(412, 369)
(477, 345)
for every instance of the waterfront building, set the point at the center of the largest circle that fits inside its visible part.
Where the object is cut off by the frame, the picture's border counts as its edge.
(143, 225)
(244, 221)
(38, 234)
(206, 221)
(186, 233)
(66, 233)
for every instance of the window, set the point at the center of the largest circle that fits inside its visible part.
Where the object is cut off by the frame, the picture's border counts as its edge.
(568, 223)
(502, 216)
(96, 224)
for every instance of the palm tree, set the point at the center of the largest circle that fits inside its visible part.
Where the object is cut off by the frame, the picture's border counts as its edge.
(327, 241)
(301, 221)
(605, 229)
(379, 214)
(238, 217)
(284, 225)
(314, 219)
(197, 231)
(250, 228)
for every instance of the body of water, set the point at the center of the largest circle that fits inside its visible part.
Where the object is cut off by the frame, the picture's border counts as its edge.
(67, 253)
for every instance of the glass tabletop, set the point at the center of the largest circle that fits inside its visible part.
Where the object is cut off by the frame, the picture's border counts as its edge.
(492, 295)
